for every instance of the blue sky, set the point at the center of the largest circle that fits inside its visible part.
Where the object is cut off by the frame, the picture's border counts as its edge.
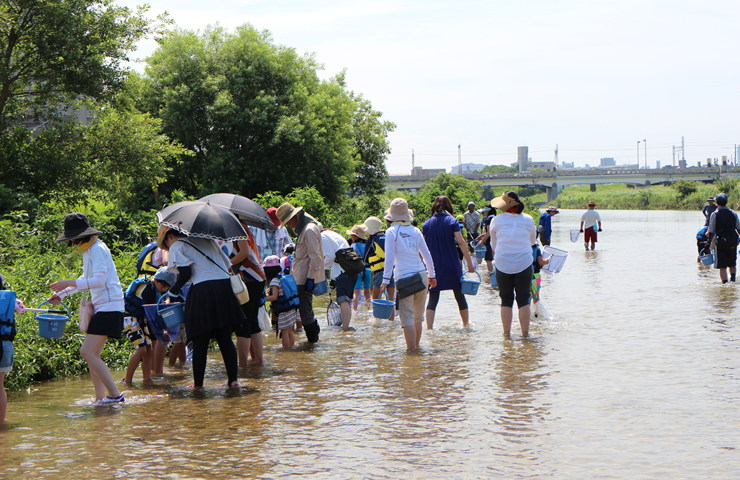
(593, 77)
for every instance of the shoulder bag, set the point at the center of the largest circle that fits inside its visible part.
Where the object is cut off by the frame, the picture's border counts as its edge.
(237, 284)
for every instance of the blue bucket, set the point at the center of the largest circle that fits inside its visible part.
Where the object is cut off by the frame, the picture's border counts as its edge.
(320, 288)
(51, 325)
(707, 259)
(469, 287)
(173, 315)
(480, 251)
(383, 308)
(494, 283)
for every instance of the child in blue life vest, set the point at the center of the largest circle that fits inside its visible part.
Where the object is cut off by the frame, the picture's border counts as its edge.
(143, 291)
(537, 263)
(702, 242)
(9, 306)
(287, 316)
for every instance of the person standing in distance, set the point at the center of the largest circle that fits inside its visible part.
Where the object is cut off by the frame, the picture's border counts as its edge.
(591, 218)
(708, 210)
(545, 226)
(724, 226)
(472, 220)
(308, 265)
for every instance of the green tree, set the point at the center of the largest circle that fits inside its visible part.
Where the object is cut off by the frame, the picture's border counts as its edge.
(684, 188)
(258, 117)
(57, 51)
(498, 169)
(457, 188)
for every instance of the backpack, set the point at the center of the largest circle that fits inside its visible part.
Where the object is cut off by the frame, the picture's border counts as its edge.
(147, 264)
(133, 301)
(7, 315)
(725, 228)
(350, 261)
(289, 299)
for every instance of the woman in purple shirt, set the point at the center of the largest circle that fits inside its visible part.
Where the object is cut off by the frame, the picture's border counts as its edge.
(442, 234)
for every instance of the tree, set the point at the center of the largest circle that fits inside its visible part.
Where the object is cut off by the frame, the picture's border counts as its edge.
(683, 188)
(55, 52)
(457, 188)
(498, 169)
(258, 118)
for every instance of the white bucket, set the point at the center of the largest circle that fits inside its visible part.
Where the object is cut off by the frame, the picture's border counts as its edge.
(557, 259)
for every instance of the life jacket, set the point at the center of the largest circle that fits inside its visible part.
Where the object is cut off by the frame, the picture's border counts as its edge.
(7, 315)
(288, 300)
(702, 234)
(134, 298)
(375, 252)
(536, 253)
(150, 259)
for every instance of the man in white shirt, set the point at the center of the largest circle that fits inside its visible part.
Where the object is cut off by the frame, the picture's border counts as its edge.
(591, 219)
(345, 283)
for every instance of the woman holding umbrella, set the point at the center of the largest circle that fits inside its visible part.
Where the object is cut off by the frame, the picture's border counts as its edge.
(188, 231)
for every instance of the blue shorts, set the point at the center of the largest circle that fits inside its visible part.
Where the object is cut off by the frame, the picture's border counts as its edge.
(344, 290)
(364, 279)
(378, 280)
(6, 362)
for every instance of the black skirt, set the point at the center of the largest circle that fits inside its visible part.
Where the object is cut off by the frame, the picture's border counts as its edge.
(211, 306)
(109, 324)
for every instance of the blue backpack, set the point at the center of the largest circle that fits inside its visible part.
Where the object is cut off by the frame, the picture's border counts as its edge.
(7, 315)
(289, 299)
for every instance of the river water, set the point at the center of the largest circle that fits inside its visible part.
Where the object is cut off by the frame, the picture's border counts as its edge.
(637, 374)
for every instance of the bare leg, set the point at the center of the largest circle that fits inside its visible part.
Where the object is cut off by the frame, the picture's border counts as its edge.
(90, 351)
(242, 347)
(593, 245)
(286, 338)
(489, 264)
(585, 244)
(419, 327)
(183, 355)
(3, 398)
(291, 337)
(256, 348)
(430, 319)
(346, 315)
(133, 364)
(464, 317)
(356, 299)
(410, 334)
(159, 351)
(723, 274)
(524, 314)
(176, 350)
(392, 297)
(507, 313)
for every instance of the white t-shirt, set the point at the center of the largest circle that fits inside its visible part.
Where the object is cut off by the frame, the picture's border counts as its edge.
(590, 218)
(332, 242)
(202, 269)
(406, 253)
(100, 277)
(512, 237)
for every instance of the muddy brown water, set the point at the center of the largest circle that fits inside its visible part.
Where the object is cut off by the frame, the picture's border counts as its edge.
(635, 375)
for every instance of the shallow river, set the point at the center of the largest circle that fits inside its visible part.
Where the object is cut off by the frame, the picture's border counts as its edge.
(637, 374)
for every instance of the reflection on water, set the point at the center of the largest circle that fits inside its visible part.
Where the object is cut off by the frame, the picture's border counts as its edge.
(635, 375)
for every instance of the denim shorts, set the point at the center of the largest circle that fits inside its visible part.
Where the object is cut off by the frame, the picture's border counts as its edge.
(364, 279)
(378, 280)
(345, 287)
(6, 362)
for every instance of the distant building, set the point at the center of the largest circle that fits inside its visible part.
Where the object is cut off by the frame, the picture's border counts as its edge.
(522, 158)
(568, 165)
(657, 164)
(607, 162)
(468, 168)
(682, 164)
(427, 172)
(81, 115)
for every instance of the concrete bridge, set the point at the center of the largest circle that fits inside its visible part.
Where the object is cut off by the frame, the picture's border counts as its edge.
(556, 181)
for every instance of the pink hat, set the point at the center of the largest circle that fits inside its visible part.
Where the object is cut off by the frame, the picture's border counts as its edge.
(273, 216)
(271, 261)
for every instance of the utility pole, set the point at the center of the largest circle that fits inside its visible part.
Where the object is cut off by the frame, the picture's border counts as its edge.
(645, 142)
(638, 154)
(413, 162)
(556, 155)
(683, 151)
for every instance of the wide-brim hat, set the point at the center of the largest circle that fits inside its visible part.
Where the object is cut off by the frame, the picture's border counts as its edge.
(710, 199)
(591, 203)
(76, 225)
(399, 211)
(373, 225)
(471, 203)
(359, 230)
(286, 211)
(161, 231)
(552, 210)
(271, 261)
(504, 202)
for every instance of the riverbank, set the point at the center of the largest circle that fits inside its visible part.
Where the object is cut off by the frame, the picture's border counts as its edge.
(656, 197)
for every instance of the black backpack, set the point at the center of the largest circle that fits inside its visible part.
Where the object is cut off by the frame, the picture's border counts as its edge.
(350, 261)
(724, 224)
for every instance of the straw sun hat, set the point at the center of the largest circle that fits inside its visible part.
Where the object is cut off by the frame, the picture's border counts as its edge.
(359, 230)
(286, 211)
(373, 225)
(399, 211)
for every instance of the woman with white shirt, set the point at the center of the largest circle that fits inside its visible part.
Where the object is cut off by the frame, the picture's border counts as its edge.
(512, 235)
(211, 309)
(405, 249)
(99, 276)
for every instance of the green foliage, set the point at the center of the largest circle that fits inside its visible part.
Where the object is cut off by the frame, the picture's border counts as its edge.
(457, 188)
(498, 169)
(684, 188)
(57, 51)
